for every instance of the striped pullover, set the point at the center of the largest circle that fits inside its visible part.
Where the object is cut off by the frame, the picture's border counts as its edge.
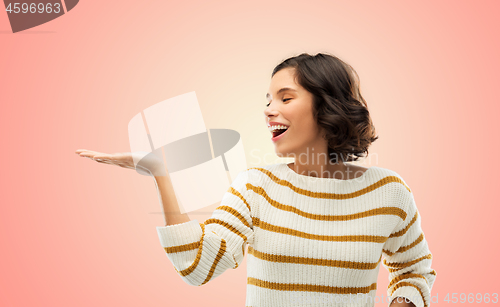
(311, 241)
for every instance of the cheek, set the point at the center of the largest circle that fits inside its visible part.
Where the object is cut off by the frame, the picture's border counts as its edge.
(305, 130)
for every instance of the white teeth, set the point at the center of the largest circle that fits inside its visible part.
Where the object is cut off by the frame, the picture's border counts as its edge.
(277, 127)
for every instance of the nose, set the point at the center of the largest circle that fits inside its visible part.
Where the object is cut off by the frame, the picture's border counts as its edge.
(269, 113)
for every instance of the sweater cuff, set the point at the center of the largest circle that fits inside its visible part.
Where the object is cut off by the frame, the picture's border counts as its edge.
(410, 293)
(179, 234)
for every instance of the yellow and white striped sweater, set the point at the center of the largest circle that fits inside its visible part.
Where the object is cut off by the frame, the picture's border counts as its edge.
(311, 241)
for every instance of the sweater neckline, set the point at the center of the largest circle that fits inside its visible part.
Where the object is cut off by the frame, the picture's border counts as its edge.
(359, 179)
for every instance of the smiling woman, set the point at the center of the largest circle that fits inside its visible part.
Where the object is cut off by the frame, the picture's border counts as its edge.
(322, 94)
(316, 233)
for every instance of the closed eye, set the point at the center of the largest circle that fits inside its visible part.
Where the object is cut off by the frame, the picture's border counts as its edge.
(267, 105)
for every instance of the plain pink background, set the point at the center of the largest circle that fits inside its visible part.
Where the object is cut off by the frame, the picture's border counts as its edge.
(77, 233)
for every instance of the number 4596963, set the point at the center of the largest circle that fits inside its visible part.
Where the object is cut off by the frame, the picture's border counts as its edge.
(471, 298)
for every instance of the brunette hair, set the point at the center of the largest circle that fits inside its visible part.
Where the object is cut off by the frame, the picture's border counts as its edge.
(338, 106)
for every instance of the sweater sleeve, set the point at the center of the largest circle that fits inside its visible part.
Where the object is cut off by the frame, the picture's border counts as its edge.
(200, 252)
(408, 259)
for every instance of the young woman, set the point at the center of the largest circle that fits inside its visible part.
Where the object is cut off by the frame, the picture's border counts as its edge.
(317, 228)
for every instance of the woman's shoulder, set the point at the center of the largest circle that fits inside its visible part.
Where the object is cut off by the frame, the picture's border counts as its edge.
(392, 176)
(387, 171)
(393, 183)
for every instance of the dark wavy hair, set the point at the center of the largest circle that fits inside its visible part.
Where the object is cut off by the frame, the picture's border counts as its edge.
(338, 106)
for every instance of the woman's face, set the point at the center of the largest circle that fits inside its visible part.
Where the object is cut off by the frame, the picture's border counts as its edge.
(291, 105)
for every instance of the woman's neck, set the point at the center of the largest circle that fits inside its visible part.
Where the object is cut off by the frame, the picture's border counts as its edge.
(340, 170)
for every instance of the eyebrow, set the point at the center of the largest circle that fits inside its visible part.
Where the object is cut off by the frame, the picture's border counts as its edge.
(284, 89)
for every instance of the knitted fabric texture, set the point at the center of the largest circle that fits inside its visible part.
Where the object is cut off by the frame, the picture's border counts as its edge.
(311, 241)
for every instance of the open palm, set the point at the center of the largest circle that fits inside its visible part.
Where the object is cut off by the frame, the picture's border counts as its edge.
(149, 163)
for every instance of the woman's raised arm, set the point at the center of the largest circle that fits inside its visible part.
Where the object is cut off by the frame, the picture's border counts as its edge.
(152, 166)
(202, 251)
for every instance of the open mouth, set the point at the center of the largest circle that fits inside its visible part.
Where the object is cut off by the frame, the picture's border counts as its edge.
(278, 132)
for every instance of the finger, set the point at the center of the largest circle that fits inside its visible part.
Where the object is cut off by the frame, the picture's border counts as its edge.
(94, 157)
(85, 150)
(105, 162)
(93, 154)
(86, 155)
(104, 157)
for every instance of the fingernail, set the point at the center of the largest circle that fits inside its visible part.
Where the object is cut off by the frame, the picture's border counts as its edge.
(98, 160)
